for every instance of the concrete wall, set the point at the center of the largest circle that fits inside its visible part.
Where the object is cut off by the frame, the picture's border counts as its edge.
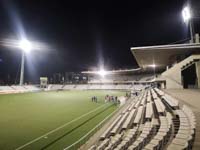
(198, 73)
(171, 83)
(173, 75)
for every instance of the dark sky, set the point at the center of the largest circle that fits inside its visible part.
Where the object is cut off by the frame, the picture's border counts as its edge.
(84, 34)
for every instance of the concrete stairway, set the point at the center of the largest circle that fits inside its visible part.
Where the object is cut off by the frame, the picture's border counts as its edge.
(173, 75)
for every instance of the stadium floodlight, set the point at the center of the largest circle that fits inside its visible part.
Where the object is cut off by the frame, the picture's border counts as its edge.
(187, 18)
(186, 14)
(25, 45)
(153, 66)
(102, 72)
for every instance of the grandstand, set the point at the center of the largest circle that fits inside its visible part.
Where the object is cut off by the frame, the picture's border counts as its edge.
(97, 86)
(137, 75)
(18, 89)
(159, 119)
(154, 120)
(176, 66)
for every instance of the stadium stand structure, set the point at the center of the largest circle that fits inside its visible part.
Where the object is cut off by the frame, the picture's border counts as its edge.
(102, 86)
(175, 66)
(152, 121)
(175, 81)
(18, 89)
(116, 78)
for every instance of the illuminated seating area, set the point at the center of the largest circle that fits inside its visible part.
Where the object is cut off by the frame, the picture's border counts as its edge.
(154, 120)
(102, 86)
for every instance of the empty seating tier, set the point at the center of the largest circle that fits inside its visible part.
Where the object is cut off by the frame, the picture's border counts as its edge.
(152, 121)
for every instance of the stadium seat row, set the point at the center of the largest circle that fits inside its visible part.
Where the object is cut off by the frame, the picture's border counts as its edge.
(152, 121)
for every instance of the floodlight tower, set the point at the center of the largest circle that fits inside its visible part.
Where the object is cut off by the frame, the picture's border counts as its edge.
(102, 73)
(26, 47)
(187, 18)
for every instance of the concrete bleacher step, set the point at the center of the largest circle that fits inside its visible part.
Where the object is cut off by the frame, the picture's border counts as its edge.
(197, 139)
(155, 122)
(196, 146)
(162, 130)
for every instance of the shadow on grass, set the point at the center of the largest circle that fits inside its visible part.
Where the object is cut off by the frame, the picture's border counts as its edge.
(70, 131)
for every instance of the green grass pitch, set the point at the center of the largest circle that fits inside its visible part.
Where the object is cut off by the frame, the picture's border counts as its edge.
(65, 115)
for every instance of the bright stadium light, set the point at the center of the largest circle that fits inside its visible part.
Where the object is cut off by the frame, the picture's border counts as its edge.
(153, 66)
(112, 71)
(186, 14)
(187, 18)
(102, 72)
(25, 45)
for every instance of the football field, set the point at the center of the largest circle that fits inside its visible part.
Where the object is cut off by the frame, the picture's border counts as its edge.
(50, 120)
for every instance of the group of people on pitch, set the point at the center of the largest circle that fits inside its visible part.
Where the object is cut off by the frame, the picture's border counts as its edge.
(94, 99)
(113, 99)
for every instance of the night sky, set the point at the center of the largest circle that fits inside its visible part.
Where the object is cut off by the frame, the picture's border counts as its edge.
(82, 35)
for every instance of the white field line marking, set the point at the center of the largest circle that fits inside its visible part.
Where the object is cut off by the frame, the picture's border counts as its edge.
(90, 130)
(52, 131)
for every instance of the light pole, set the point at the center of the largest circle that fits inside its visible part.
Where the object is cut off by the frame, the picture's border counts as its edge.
(21, 82)
(187, 18)
(25, 46)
